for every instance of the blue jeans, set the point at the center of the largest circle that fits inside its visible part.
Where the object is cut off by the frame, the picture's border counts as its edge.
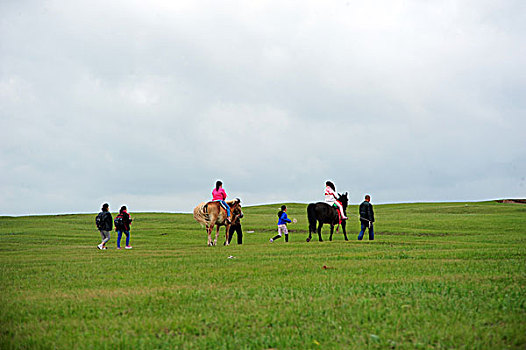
(224, 205)
(371, 231)
(119, 236)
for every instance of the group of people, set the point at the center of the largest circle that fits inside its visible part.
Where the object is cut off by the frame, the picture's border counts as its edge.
(331, 198)
(219, 195)
(366, 210)
(105, 223)
(123, 220)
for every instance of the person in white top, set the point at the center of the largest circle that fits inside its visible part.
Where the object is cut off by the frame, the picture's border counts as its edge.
(331, 198)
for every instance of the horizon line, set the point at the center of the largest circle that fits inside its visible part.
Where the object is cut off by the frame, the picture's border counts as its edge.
(269, 204)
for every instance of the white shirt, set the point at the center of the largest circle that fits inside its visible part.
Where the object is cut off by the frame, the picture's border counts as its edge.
(330, 195)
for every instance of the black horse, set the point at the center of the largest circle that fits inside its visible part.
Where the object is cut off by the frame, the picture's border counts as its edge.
(324, 213)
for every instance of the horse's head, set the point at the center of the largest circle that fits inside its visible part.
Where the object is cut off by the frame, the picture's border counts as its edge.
(235, 207)
(344, 200)
(234, 203)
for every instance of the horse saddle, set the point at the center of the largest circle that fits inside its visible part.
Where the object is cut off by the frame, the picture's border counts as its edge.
(335, 206)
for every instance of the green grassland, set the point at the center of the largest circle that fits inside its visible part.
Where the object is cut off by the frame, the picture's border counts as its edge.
(438, 275)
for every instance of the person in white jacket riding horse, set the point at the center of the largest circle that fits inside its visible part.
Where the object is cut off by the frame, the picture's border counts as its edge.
(331, 198)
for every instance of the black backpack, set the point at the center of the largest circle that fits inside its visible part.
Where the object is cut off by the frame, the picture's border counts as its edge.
(98, 220)
(119, 223)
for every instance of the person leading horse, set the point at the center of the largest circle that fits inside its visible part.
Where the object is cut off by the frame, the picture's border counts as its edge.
(212, 214)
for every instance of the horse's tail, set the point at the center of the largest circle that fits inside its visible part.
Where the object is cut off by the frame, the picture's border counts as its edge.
(201, 214)
(311, 215)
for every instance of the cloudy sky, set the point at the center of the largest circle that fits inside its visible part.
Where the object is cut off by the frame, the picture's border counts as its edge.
(148, 103)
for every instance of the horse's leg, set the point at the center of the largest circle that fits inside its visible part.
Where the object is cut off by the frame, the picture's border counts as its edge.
(213, 219)
(217, 234)
(311, 218)
(226, 234)
(310, 232)
(332, 230)
(344, 231)
(209, 231)
(320, 225)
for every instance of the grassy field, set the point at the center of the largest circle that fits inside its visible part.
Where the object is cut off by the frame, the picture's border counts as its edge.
(448, 275)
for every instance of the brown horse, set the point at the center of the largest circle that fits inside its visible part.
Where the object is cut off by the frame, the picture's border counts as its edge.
(213, 214)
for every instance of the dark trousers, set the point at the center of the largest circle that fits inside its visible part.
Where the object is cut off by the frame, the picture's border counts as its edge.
(371, 231)
(236, 229)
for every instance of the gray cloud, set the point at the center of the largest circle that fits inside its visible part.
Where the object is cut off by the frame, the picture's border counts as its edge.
(149, 104)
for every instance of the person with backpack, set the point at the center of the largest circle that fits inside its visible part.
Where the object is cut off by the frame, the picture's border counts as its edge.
(104, 222)
(122, 224)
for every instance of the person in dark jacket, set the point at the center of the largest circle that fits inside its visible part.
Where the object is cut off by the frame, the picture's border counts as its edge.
(236, 227)
(124, 227)
(366, 218)
(105, 225)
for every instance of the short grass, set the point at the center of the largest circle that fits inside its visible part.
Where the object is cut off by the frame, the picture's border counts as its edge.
(448, 275)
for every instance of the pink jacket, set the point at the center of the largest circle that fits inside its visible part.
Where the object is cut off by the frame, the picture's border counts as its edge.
(218, 195)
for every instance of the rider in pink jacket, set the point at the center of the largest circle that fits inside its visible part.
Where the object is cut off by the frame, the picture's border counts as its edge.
(219, 195)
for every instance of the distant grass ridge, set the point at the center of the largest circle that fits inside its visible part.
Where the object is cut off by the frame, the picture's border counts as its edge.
(438, 275)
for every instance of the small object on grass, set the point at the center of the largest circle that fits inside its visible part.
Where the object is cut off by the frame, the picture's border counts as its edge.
(374, 337)
(250, 231)
(231, 257)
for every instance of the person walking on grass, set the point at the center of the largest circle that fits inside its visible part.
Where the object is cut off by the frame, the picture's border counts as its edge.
(282, 224)
(122, 225)
(366, 218)
(104, 222)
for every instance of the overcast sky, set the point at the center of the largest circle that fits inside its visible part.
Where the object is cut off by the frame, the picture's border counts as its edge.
(148, 103)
